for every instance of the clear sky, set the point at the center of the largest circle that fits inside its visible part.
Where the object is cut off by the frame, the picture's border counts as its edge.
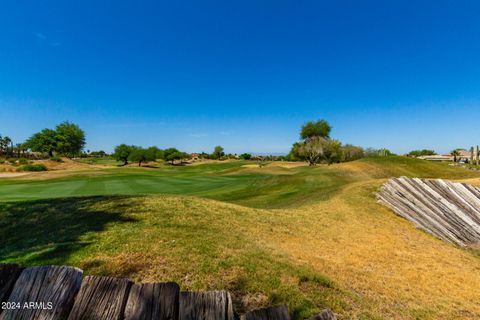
(243, 74)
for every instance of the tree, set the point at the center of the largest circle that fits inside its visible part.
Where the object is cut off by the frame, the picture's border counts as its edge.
(455, 153)
(218, 153)
(67, 139)
(154, 153)
(168, 152)
(320, 128)
(382, 152)
(141, 155)
(318, 149)
(44, 141)
(99, 154)
(246, 156)
(70, 139)
(332, 151)
(418, 153)
(351, 152)
(122, 152)
(177, 155)
(5, 143)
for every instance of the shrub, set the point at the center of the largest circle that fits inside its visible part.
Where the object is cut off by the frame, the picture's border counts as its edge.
(246, 156)
(12, 161)
(2, 161)
(56, 159)
(23, 161)
(34, 167)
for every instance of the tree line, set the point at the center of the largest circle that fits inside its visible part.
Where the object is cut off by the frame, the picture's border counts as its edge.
(68, 139)
(65, 139)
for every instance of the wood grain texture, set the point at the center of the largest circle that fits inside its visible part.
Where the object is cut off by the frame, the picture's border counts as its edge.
(326, 314)
(207, 305)
(9, 273)
(159, 301)
(448, 210)
(43, 285)
(272, 313)
(101, 298)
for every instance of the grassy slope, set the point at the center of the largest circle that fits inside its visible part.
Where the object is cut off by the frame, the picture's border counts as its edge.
(328, 244)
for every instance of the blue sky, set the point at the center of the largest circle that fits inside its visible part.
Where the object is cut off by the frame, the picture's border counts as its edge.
(243, 74)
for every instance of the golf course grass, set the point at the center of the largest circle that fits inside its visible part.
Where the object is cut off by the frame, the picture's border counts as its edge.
(311, 237)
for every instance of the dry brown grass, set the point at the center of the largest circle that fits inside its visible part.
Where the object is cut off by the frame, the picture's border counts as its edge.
(68, 164)
(365, 247)
(379, 261)
(7, 168)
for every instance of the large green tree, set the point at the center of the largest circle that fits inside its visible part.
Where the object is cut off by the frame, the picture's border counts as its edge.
(316, 145)
(67, 139)
(122, 152)
(317, 149)
(141, 155)
(70, 139)
(320, 128)
(173, 154)
(44, 141)
(154, 153)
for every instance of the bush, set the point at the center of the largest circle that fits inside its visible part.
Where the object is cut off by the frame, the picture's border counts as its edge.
(56, 159)
(23, 161)
(246, 156)
(12, 161)
(2, 161)
(34, 167)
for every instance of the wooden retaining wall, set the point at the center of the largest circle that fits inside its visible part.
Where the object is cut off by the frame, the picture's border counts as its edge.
(448, 210)
(59, 292)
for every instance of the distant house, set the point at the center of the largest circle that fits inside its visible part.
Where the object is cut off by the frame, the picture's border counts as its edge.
(195, 156)
(437, 157)
(464, 156)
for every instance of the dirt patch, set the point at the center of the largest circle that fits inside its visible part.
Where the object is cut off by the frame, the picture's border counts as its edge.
(287, 164)
(12, 174)
(67, 164)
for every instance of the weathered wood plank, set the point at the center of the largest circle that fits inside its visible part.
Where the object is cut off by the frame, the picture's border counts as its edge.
(101, 298)
(326, 314)
(272, 313)
(448, 210)
(208, 305)
(44, 293)
(159, 301)
(9, 273)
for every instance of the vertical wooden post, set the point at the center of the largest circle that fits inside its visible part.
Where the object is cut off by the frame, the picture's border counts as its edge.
(471, 156)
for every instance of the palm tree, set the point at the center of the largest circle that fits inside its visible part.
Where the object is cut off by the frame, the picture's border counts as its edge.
(6, 141)
(455, 153)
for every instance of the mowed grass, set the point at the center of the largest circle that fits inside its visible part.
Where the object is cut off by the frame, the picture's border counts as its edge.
(309, 237)
(229, 181)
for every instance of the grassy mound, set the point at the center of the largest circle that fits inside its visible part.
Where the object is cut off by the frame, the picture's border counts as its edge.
(201, 244)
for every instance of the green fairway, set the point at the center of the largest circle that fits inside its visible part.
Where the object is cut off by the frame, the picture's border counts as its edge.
(267, 187)
(312, 237)
(271, 187)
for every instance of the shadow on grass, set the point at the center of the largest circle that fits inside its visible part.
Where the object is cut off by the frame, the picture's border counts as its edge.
(47, 231)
